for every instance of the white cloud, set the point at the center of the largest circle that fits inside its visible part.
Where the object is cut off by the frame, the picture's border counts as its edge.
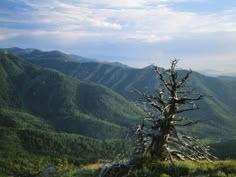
(64, 36)
(153, 18)
(148, 21)
(222, 62)
(6, 33)
(130, 3)
(148, 38)
(2, 37)
(112, 3)
(152, 25)
(59, 15)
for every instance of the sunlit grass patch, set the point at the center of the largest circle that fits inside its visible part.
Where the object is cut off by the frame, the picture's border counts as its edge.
(93, 166)
(187, 168)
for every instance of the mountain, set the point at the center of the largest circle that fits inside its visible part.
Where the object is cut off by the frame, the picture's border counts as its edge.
(48, 118)
(35, 54)
(219, 109)
(228, 78)
(65, 103)
(225, 149)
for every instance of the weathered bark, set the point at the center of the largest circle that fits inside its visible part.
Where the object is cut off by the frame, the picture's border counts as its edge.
(173, 98)
(159, 138)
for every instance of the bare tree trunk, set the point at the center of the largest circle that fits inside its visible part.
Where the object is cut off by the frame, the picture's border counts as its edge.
(175, 97)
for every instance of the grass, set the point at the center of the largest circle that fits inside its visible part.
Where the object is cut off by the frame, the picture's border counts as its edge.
(89, 170)
(226, 168)
(93, 166)
(187, 168)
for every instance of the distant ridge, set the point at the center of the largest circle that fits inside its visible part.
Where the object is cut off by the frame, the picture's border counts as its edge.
(53, 54)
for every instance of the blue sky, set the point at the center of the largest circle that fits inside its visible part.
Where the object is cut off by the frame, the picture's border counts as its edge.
(202, 33)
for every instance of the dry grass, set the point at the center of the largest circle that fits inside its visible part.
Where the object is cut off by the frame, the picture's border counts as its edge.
(93, 166)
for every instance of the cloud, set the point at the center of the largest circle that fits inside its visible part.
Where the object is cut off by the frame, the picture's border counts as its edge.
(6, 33)
(130, 4)
(148, 38)
(152, 18)
(143, 29)
(148, 21)
(114, 4)
(60, 36)
(2, 37)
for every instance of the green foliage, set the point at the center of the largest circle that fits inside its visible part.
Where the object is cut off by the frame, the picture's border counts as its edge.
(71, 146)
(107, 105)
(17, 119)
(29, 166)
(30, 151)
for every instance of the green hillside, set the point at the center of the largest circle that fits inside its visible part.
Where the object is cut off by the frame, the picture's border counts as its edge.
(28, 152)
(219, 109)
(65, 103)
(17, 119)
(225, 149)
(35, 54)
(46, 117)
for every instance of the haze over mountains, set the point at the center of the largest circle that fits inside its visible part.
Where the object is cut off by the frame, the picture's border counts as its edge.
(219, 110)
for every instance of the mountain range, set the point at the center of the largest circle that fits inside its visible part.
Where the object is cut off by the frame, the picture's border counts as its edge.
(70, 102)
(44, 112)
(66, 103)
(218, 109)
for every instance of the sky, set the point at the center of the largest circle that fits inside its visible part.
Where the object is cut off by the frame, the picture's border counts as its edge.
(201, 33)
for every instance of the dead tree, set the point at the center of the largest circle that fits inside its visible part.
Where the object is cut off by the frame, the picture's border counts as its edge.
(158, 135)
